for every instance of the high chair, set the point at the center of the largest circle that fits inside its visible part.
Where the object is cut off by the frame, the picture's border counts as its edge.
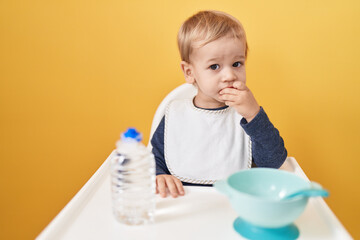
(187, 90)
(88, 214)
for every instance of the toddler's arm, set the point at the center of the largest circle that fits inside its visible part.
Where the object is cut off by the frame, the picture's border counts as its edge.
(268, 148)
(157, 142)
(164, 180)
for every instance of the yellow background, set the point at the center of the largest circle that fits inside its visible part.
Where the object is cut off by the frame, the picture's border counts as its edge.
(74, 74)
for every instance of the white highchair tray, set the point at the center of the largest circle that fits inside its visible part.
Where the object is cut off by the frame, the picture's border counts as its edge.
(203, 213)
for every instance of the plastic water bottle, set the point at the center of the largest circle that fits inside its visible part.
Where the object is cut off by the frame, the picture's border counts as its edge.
(133, 180)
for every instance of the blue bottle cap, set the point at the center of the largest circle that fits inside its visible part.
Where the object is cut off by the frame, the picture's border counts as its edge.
(131, 134)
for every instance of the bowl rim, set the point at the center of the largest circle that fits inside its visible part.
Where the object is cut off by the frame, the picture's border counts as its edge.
(260, 199)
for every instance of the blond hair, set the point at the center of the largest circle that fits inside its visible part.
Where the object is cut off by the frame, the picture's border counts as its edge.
(208, 26)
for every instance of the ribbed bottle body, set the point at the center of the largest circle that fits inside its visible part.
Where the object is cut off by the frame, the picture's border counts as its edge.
(133, 184)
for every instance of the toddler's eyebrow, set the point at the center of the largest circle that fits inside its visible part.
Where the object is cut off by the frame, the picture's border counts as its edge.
(212, 59)
(240, 56)
(235, 57)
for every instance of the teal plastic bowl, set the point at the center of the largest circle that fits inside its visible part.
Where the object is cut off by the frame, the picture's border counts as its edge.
(255, 195)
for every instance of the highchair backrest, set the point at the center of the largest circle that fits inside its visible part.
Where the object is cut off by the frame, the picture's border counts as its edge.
(183, 91)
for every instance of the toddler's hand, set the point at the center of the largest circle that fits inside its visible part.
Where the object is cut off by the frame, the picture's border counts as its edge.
(241, 98)
(165, 181)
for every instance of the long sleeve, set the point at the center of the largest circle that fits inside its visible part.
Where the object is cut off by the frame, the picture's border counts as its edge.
(157, 142)
(268, 148)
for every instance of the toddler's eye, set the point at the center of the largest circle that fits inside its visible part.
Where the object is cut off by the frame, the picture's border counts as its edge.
(237, 64)
(214, 66)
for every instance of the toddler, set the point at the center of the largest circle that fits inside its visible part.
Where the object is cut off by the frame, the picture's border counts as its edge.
(222, 129)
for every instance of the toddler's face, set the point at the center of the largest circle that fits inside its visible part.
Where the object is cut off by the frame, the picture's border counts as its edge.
(215, 66)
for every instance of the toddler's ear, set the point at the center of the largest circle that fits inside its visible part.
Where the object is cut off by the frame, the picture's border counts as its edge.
(188, 72)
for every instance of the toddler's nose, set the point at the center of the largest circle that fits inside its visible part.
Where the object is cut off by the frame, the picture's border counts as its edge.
(229, 75)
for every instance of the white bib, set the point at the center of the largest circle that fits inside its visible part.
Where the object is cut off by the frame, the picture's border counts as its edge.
(202, 146)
